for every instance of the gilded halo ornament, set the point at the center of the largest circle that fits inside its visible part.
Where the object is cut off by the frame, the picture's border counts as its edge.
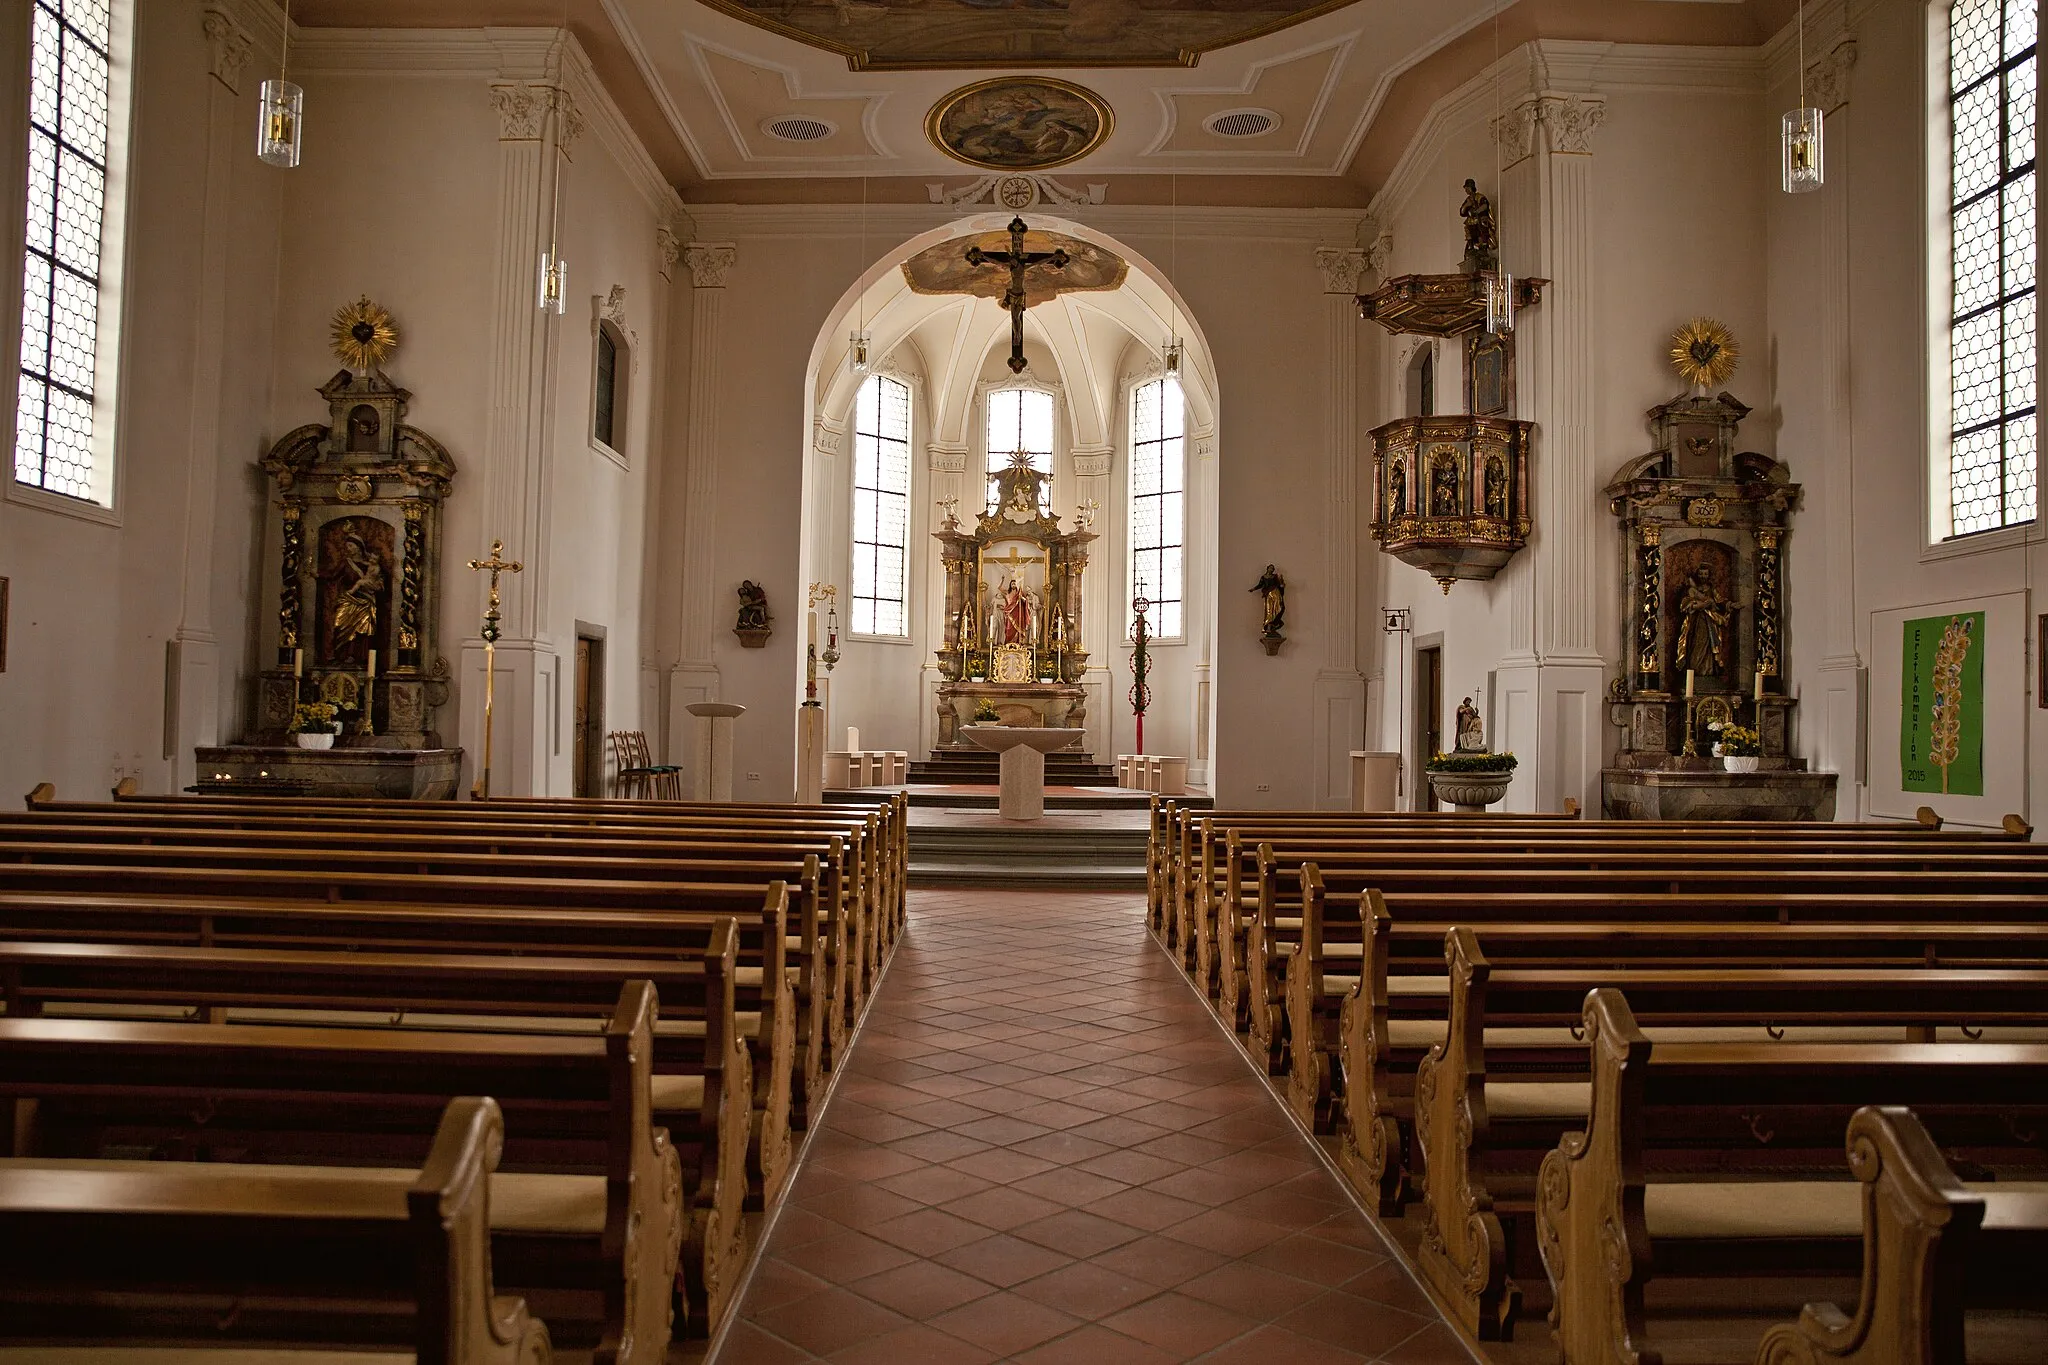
(1704, 353)
(364, 335)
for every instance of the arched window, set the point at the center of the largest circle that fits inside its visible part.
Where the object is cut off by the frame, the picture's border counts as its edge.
(1158, 500)
(1993, 470)
(881, 507)
(1020, 419)
(608, 389)
(68, 138)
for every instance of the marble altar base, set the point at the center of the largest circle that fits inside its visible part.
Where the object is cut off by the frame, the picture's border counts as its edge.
(392, 774)
(1713, 794)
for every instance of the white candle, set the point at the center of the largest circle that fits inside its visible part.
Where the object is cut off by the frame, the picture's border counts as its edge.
(298, 663)
(1688, 684)
(1759, 684)
(811, 630)
(372, 670)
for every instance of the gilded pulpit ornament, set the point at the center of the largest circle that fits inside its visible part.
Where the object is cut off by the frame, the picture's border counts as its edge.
(1451, 491)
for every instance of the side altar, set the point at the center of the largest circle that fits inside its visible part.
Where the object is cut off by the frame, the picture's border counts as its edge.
(353, 537)
(1704, 645)
(1013, 615)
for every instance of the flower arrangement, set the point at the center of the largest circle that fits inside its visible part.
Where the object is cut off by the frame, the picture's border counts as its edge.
(1472, 763)
(313, 718)
(986, 714)
(1739, 741)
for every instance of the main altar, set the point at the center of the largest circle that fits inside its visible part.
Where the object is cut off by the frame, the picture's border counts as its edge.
(1012, 651)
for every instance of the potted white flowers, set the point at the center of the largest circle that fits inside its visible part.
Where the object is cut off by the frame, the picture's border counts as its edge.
(313, 724)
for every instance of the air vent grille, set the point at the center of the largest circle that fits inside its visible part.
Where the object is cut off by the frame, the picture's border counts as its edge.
(798, 128)
(1243, 123)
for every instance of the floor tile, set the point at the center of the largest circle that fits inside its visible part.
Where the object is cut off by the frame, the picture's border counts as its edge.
(1044, 1150)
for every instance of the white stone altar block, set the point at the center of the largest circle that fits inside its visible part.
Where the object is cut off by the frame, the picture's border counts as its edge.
(1023, 749)
(712, 780)
(810, 755)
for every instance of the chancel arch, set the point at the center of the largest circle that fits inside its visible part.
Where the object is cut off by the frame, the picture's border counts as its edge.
(1084, 354)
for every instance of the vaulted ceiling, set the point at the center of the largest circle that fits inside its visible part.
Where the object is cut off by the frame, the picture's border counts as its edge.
(1333, 92)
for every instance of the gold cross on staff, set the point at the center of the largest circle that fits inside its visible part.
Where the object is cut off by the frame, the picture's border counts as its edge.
(496, 564)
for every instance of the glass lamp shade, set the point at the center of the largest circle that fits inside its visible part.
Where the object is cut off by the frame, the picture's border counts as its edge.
(1802, 151)
(1173, 352)
(554, 283)
(857, 353)
(1500, 303)
(280, 114)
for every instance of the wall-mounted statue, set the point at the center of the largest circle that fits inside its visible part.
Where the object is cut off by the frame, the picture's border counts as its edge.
(1481, 240)
(1272, 590)
(752, 624)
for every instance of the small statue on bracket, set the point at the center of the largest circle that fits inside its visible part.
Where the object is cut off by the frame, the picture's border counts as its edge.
(1481, 243)
(752, 625)
(1272, 590)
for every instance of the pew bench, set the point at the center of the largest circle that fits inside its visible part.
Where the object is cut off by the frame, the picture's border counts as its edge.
(592, 1237)
(764, 1019)
(1634, 1200)
(101, 1256)
(701, 1075)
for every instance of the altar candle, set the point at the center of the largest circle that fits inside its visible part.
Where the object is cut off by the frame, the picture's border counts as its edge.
(811, 630)
(372, 669)
(1688, 684)
(1759, 685)
(298, 663)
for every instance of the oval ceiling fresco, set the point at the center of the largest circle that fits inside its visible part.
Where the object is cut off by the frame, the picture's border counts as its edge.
(1019, 123)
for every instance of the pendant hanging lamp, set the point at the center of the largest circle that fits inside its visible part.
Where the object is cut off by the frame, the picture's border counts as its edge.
(1802, 168)
(1171, 352)
(1500, 285)
(280, 109)
(554, 271)
(857, 359)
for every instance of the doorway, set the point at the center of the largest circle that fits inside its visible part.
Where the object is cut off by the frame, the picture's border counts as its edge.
(1429, 720)
(588, 773)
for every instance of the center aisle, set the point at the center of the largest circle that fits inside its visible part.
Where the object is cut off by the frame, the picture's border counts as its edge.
(1044, 1150)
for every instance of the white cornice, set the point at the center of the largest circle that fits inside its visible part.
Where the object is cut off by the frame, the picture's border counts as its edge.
(1320, 226)
(1560, 66)
(264, 22)
(1827, 23)
(514, 54)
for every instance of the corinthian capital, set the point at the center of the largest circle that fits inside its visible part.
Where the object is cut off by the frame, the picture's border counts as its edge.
(709, 262)
(228, 46)
(523, 111)
(1570, 121)
(1827, 78)
(1343, 268)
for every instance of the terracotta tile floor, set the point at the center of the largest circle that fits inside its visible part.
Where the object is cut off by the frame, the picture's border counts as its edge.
(1044, 1151)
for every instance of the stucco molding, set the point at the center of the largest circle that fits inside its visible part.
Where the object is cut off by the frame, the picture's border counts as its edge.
(229, 48)
(809, 222)
(828, 437)
(668, 248)
(1091, 462)
(945, 459)
(1342, 268)
(1827, 79)
(710, 263)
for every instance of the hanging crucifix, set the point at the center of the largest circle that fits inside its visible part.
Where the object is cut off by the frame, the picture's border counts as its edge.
(1018, 260)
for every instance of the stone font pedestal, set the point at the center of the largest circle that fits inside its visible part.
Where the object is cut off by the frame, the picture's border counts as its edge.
(712, 780)
(1022, 750)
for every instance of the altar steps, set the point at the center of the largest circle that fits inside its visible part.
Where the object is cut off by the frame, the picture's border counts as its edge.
(1062, 769)
(1018, 856)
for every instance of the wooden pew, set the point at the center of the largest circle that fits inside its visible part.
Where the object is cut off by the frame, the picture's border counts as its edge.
(1489, 1105)
(1932, 1248)
(593, 1240)
(1759, 870)
(1643, 1192)
(838, 898)
(1387, 1000)
(348, 912)
(100, 1257)
(701, 1076)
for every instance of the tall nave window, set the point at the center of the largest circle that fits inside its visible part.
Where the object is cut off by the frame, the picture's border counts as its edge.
(1158, 500)
(67, 190)
(1020, 419)
(881, 507)
(1992, 462)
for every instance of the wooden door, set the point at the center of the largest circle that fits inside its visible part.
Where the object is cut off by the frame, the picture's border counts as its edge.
(588, 771)
(1429, 720)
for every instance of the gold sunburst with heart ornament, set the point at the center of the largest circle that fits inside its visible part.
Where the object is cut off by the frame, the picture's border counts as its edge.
(1704, 353)
(364, 335)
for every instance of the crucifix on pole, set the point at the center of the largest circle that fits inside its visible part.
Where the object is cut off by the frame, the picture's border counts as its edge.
(496, 565)
(1018, 260)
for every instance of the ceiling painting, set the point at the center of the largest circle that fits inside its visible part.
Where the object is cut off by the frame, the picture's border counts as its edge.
(944, 269)
(1019, 123)
(899, 35)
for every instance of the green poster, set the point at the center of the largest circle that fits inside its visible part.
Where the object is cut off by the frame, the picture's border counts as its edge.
(1941, 713)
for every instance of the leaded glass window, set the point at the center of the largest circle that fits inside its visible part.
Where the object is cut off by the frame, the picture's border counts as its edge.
(67, 187)
(1020, 419)
(1992, 461)
(1158, 501)
(881, 507)
(603, 418)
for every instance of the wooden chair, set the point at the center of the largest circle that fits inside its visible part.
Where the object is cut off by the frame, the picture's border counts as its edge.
(632, 780)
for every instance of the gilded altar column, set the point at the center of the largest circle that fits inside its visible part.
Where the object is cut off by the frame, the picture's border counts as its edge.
(1550, 704)
(538, 125)
(1339, 688)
